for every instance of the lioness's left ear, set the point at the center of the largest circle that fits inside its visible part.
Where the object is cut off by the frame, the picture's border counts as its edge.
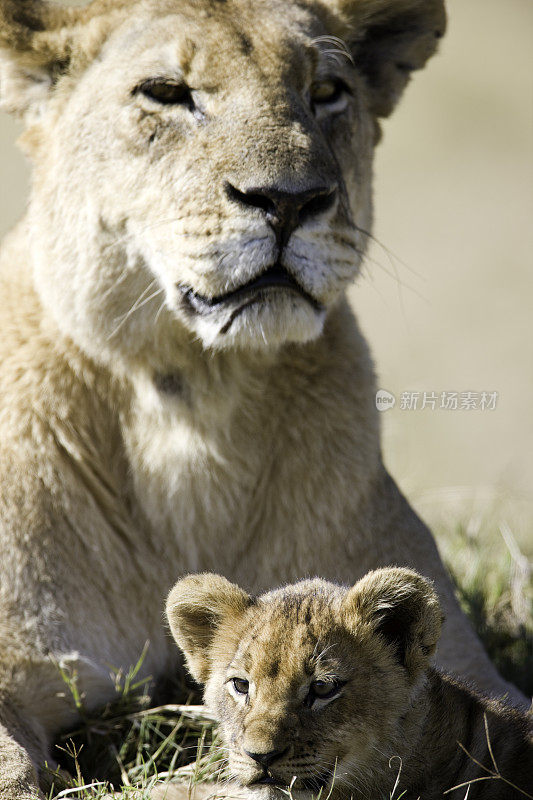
(389, 39)
(196, 607)
(401, 607)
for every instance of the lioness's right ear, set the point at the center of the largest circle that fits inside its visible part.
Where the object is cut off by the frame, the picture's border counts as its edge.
(196, 607)
(32, 53)
(39, 42)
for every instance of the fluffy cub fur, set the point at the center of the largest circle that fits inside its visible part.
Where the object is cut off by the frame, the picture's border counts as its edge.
(321, 687)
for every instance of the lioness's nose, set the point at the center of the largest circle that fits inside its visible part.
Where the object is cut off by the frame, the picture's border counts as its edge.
(285, 211)
(266, 759)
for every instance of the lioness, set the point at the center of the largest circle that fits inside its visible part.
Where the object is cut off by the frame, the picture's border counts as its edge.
(182, 383)
(318, 687)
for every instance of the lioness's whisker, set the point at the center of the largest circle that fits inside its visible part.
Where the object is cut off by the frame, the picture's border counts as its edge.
(139, 303)
(132, 235)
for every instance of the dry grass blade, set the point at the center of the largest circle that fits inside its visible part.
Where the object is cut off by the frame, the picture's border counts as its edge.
(492, 774)
(192, 712)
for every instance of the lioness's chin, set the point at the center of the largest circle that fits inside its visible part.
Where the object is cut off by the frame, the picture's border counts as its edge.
(261, 323)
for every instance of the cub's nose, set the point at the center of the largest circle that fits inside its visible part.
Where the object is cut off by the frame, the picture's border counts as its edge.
(266, 759)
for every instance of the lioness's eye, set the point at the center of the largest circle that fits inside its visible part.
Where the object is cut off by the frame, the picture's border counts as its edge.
(240, 685)
(327, 91)
(167, 92)
(325, 689)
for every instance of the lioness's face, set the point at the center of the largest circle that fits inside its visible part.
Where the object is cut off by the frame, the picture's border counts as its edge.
(219, 153)
(202, 167)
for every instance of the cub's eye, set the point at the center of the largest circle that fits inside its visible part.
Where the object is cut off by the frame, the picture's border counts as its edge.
(167, 92)
(241, 685)
(324, 689)
(327, 92)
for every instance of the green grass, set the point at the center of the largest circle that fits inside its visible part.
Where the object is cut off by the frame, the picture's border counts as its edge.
(136, 740)
(494, 584)
(140, 738)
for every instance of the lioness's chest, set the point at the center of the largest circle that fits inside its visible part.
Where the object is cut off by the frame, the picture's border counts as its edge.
(250, 493)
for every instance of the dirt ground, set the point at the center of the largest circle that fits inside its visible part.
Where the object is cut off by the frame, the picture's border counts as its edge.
(446, 300)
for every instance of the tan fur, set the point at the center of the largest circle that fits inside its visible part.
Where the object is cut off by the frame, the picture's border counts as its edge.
(387, 712)
(139, 438)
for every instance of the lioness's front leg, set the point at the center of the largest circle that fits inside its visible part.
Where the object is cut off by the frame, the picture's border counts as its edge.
(78, 595)
(18, 776)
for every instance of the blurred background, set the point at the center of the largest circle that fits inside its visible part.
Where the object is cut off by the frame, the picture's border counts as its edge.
(447, 295)
(446, 298)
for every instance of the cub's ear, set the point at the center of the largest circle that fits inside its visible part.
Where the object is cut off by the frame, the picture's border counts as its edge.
(196, 608)
(39, 42)
(390, 39)
(402, 608)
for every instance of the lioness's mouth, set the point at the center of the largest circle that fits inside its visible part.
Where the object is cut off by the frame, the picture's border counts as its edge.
(275, 277)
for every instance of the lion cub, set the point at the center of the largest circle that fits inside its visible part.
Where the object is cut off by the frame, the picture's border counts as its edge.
(319, 687)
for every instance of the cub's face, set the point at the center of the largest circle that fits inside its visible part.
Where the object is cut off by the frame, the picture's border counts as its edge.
(303, 702)
(309, 682)
(204, 166)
